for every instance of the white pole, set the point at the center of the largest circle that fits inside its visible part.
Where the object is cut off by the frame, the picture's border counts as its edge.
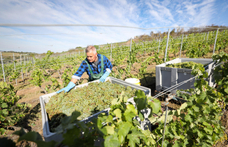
(167, 44)
(181, 44)
(21, 69)
(3, 68)
(14, 67)
(24, 59)
(158, 45)
(215, 40)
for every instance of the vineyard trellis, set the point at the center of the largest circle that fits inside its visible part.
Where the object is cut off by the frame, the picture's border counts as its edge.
(193, 45)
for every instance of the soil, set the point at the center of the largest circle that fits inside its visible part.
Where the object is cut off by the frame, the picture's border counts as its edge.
(33, 122)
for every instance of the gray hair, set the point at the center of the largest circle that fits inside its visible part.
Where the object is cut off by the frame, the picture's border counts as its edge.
(90, 48)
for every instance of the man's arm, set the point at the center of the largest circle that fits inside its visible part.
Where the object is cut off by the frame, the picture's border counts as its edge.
(108, 69)
(74, 78)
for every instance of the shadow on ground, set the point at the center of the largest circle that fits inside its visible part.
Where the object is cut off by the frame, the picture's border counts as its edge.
(31, 115)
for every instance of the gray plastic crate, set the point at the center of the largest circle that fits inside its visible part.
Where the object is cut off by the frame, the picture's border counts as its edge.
(167, 76)
(49, 136)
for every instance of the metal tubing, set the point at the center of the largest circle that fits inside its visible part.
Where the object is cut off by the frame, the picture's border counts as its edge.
(158, 45)
(3, 68)
(167, 44)
(215, 40)
(181, 44)
(21, 69)
(173, 87)
(24, 59)
(166, 113)
(14, 67)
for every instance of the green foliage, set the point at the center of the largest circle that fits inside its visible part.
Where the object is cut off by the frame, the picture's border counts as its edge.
(66, 76)
(37, 77)
(14, 75)
(198, 124)
(221, 75)
(53, 86)
(10, 112)
(188, 65)
(86, 100)
(157, 59)
(121, 128)
(39, 74)
(132, 54)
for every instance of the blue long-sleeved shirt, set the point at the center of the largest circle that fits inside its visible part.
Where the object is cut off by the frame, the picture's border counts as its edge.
(84, 67)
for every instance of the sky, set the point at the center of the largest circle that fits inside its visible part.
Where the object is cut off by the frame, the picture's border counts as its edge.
(133, 13)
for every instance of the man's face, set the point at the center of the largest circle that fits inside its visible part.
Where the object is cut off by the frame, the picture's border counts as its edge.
(91, 57)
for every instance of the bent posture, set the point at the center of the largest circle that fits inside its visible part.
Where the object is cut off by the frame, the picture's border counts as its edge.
(96, 65)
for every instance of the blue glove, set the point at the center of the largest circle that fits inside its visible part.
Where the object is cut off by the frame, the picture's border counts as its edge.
(68, 88)
(105, 75)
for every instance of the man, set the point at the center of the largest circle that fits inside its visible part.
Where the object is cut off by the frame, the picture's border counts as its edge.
(96, 65)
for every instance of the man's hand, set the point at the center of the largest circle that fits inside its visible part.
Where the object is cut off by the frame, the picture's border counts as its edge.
(67, 88)
(105, 75)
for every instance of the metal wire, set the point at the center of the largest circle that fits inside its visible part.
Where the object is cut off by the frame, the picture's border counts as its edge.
(96, 25)
(181, 83)
(173, 87)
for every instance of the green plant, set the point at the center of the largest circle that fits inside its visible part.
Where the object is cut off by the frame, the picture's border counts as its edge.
(38, 77)
(10, 112)
(53, 86)
(198, 124)
(66, 76)
(188, 65)
(121, 128)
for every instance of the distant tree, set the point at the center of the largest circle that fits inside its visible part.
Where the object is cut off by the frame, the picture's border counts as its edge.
(152, 34)
(96, 46)
(172, 33)
(180, 31)
(78, 47)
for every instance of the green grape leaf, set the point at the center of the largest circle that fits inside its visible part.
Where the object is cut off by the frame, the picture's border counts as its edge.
(111, 141)
(5, 112)
(141, 102)
(4, 105)
(134, 138)
(31, 136)
(124, 128)
(188, 118)
(118, 113)
(226, 90)
(140, 94)
(141, 116)
(155, 105)
(129, 115)
(131, 108)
